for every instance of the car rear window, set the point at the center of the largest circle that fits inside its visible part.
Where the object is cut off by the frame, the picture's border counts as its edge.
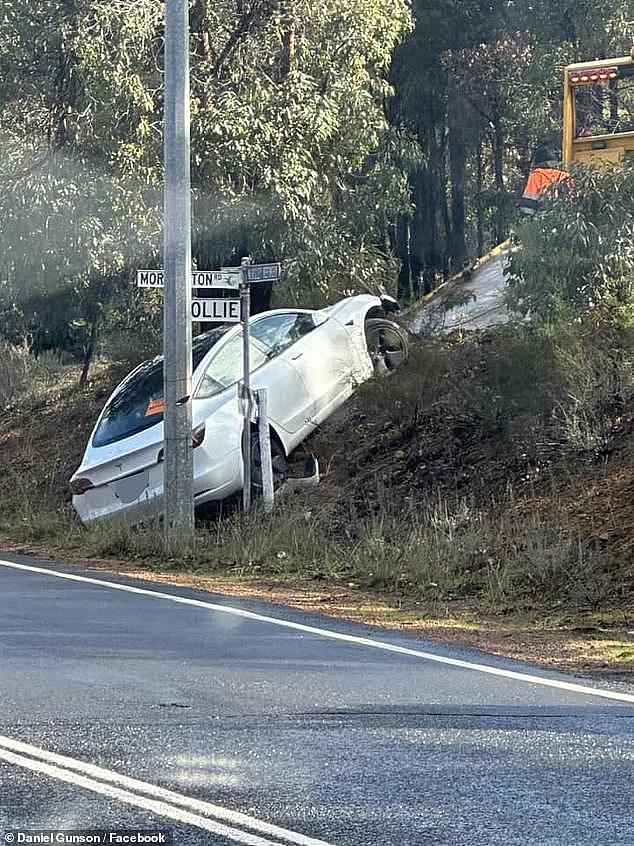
(139, 403)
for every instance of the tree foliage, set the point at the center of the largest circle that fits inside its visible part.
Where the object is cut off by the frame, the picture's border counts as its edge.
(579, 253)
(479, 85)
(293, 157)
(346, 138)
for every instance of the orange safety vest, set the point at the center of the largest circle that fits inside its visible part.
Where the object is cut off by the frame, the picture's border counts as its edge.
(538, 185)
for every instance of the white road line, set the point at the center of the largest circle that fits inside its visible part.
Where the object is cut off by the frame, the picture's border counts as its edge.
(528, 678)
(163, 809)
(207, 809)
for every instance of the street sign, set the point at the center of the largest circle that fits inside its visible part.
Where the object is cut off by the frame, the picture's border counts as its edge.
(149, 278)
(262, 272)
(216, 311)
(226, 278)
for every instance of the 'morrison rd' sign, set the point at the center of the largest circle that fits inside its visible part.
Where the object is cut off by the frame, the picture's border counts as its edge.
(200, 278)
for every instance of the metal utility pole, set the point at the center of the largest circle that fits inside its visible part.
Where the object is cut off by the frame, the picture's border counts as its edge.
(178, 466)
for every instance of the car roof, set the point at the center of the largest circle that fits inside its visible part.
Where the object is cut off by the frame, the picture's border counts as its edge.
(204, 342)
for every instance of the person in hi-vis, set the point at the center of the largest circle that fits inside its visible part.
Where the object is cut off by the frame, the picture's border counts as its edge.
(545, 174)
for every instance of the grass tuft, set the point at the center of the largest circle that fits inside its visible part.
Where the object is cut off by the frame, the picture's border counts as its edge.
(474, 473)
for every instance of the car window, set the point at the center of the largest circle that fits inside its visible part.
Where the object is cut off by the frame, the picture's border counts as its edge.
(225, 368)
(279, 331)
(139, 403)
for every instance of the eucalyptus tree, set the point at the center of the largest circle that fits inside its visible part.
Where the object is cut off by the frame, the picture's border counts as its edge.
(78, 203)
(579, 253)
(292, 155)
(446, 128)
(479, 85)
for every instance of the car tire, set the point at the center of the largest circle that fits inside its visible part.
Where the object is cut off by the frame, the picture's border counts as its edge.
(388, 344)
(278, 458)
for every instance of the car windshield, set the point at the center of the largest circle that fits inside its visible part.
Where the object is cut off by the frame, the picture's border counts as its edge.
(139, 403)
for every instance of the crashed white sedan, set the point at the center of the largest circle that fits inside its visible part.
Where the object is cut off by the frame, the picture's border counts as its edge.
(309, 362)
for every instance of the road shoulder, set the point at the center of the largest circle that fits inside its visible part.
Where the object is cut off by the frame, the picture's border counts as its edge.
(584, 641)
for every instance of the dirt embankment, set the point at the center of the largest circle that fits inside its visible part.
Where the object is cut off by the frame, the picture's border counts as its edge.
(460, 500)
(42, 439)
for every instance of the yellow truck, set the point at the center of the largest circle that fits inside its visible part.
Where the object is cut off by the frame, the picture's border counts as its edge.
(598, 111)
(598, 128)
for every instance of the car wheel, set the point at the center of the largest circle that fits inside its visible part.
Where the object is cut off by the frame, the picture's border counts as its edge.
(387, 344)
(278, 460)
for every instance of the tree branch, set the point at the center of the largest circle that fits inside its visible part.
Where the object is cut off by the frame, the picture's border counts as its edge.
(247, 21)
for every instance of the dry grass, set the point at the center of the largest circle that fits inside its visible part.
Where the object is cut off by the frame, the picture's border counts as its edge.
(504, 560)
(453, 479)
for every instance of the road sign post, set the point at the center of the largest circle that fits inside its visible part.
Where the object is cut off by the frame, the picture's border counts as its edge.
(264, 437)
(178, 464)
(245, 388)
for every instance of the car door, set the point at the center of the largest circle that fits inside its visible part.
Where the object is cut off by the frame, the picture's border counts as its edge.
(286, 392)
(319, 351)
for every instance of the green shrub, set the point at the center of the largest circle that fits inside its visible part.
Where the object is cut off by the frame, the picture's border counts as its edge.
(579, 253)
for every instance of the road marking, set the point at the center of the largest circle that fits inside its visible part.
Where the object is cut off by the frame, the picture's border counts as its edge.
(150, 797)
(161, 808)
(528, 678)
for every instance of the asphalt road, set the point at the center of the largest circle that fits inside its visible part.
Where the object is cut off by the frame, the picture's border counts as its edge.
(240, 722)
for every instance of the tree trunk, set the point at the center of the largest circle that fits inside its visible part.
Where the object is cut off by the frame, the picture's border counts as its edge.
(89, 353)
(479, 209)
(402, 248)
(457, 166)
(287, 58)
(420, 226)
(443, 194)
(429, 195)
(437, 209)
(498, 167)
(204, 45)
(67, 84)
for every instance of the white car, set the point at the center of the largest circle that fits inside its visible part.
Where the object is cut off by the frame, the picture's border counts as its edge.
(309, 362)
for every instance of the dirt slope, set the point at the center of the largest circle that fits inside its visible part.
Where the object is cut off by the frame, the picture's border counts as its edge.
(456, 426)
